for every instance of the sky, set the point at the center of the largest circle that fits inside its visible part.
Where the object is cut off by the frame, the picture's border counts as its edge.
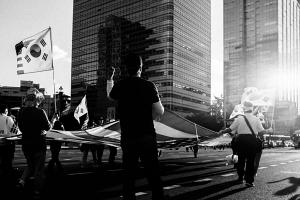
(21, 19)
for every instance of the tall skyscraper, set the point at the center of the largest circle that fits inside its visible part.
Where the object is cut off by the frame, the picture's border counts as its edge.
(261, 48)
(172, 36)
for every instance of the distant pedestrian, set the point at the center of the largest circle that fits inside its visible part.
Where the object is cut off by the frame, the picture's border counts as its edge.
(195, 148)
(246, 145)
(7, 148)
(112, 154)
(55, 147)
(85, 148)
(138, 104)
(33, 123)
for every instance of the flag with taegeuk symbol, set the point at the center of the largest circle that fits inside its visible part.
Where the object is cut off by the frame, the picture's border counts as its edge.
(34, 54)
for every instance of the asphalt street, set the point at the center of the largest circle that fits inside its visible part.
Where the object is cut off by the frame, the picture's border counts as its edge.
(184, 177)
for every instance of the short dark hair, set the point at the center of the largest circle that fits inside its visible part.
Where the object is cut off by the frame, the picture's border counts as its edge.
(3, 108)
(133, 63)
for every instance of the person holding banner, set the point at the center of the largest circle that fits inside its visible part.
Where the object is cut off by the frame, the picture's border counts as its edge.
(7, 148)
(138, 104)
(55, 146)
(33, 123)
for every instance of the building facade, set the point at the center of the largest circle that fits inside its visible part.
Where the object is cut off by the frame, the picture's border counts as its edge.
(13, 97)
(261, 48)
(172, 36)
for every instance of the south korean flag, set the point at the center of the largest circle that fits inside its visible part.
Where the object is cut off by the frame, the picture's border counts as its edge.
(34, 54)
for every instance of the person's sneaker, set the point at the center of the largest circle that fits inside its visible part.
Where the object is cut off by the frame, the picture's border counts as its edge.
(249, 185)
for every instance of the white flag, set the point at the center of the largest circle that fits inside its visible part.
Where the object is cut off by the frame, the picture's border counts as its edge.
(81, 109)
(34, 54)
(264, 97)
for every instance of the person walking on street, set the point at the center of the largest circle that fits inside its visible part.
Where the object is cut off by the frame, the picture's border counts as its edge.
(33, 123)
(7, 148)
(246, 144)
(138, 104)
(85, 148)
(55, 147)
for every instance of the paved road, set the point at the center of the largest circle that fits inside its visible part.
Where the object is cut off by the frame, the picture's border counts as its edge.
(184, 177)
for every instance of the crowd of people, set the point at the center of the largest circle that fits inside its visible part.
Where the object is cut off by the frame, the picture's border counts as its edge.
(138, 104)
(33, 123)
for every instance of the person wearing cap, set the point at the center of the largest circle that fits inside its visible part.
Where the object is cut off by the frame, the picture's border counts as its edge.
(33, 123)
(246, 145)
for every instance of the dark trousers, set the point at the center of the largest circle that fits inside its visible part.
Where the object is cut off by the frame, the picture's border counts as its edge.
(6, 167)
(256, 161)
(147, 152)
(112, 154)
(6, 156)
(35, 166)
(246, 151)
(55, 147)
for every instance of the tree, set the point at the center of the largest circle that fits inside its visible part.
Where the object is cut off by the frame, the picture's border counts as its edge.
(216, 109)
(297, 123)
(212, 120)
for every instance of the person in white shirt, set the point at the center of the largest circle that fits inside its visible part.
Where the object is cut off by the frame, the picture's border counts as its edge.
(7, 148)
(246, 144)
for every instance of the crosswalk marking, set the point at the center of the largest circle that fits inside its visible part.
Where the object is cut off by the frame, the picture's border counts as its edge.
(203, 180)
(262, 167)
(203, 161)
(225, 175)
(273, 165)
(140, 193)
(171, 187)
(283, 163)
(289, 172)
(137, 194)
(79, 173)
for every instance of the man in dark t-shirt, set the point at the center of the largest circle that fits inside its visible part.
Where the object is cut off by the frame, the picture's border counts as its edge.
(138, 104)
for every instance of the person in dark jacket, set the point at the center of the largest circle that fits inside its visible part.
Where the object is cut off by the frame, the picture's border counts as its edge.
(33, 123)
(138, 104)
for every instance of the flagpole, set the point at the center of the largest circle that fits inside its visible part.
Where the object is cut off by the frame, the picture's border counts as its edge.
(54, 96)
(54, 92)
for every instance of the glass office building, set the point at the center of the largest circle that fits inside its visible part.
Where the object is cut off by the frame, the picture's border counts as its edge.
(172, 36)
(261, 48)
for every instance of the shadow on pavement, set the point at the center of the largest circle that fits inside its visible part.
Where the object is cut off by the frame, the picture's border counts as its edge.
(225, 194)
(295, 197)
(203, 192)
(295, 183)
